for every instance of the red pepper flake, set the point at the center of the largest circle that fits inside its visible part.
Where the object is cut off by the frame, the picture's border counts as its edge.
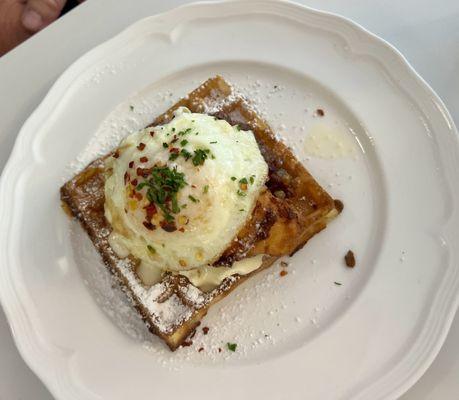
(349, 258)
(134, 182)
(141, 146)
(320, 112)
(150, 210)
(182, 229)
(174, 139)
(193, 186)
(149, 225)
(143, 159)
(138, 196)
(131, 164)
(187, 343)
(219, 349)
(126, 177)
(144, 172)
(116, 154)
(152, 133)
(283, 273)
(168, 226)
(174, 150)
(205, 330)
(201, 349)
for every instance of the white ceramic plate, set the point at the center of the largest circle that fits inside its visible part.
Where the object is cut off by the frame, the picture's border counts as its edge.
(299, 337)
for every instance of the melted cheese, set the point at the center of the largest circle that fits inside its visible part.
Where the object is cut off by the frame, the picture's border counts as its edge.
(208, 278)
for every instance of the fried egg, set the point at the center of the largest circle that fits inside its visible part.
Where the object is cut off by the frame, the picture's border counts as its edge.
(176, 195)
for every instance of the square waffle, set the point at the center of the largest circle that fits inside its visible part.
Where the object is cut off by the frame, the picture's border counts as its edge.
(293, 209)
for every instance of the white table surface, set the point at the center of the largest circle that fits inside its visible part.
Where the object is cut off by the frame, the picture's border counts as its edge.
(425, 31)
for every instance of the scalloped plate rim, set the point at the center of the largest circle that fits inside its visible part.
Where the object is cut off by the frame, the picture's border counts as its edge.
(12, 303)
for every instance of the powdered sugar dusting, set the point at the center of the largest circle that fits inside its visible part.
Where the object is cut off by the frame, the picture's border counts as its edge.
(128, 117)
(227, 320)
(170, 312)
(267, 311)
(105, 288)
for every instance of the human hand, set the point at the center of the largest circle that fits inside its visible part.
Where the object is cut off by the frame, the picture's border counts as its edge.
(39, 13)
(19, 19)
(12, 32)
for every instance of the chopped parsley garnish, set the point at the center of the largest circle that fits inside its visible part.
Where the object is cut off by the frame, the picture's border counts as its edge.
(205, 189)
(238, 127)
(185, 154)
(243, 180)
(185, 132)
(151, 249)
(162, 188)
(131, 107)
(173, 129)
(231, 346)
(200, 156)
(241, 193)
(233, 178)
(252, 179)
(193, 199)
(212, 142)
(337, 283)
(241, 209)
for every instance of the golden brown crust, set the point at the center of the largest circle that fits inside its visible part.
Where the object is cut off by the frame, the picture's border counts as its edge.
(291, 211)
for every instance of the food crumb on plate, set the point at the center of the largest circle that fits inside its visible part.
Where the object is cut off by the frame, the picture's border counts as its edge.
(349, 258)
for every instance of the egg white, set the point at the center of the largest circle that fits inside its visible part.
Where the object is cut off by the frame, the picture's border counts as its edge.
(221, 209)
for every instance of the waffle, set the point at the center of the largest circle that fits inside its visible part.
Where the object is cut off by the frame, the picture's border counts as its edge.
(292, 210)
